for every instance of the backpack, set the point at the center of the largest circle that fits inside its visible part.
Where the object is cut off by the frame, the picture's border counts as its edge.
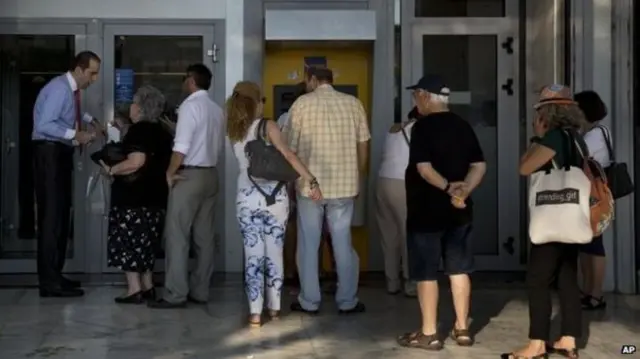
(601, 200)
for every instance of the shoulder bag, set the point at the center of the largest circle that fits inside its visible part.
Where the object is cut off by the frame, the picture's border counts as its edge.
(266, 162)
(618, 176)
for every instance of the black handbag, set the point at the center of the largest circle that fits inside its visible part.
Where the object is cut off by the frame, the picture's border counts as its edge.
(618, 177)
(111, 154)
(266, 162)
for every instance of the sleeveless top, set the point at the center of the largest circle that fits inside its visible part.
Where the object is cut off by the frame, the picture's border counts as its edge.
(243, 161)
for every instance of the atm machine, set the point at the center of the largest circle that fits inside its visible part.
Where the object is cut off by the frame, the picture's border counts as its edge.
(285, 95)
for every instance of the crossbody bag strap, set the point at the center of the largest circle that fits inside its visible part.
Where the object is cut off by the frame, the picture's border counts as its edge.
(607, 140)
(404, 134)
(270, 198)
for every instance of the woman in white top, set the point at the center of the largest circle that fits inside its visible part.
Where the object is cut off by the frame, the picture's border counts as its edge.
(592, 255)
(391, 206)
(262, 225)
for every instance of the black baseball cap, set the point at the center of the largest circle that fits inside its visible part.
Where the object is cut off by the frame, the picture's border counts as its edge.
(432, 84)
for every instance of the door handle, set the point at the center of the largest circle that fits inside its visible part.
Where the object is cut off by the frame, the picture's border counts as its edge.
(508, 87)
(508, 245)
(10, 145)
(507, 44)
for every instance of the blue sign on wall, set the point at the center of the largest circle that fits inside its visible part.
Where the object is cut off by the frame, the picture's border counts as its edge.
(123, 86)
(314, 61)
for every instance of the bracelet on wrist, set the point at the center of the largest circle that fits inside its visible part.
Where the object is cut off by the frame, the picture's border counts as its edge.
(313, 183)
(447, 187)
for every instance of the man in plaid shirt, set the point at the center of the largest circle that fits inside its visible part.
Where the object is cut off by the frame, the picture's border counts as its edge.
(328, 131)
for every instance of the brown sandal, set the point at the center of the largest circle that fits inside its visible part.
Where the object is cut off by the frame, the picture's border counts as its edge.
(566, 353)
(462, 337)
(513, 356)
(274, 314)
(255, 321)
(420, 341)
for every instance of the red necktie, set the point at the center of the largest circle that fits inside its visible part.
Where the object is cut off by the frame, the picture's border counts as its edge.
(76, 95)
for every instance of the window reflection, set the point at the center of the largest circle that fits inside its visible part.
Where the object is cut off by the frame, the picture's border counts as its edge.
(460, 8)
(27, 63)
(160, 61)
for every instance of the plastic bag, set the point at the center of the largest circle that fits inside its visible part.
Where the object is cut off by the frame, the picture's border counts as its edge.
(97, 193)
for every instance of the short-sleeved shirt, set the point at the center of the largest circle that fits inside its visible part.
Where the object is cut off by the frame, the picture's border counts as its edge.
(450, 145)
(149, 188)
(558, 140)
(324, 129)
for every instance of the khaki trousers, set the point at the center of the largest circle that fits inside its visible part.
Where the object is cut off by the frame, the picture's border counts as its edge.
(391, 215)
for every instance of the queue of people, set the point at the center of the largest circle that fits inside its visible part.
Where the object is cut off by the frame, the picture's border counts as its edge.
(166, 186)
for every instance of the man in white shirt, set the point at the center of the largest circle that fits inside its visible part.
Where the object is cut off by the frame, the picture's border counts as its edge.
(193, 181)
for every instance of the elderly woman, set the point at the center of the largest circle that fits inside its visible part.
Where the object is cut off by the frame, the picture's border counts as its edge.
(138, 196)
(556, 111)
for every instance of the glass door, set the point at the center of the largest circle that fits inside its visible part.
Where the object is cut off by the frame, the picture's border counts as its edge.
(29, 58)
(156, 55)
(478, 59)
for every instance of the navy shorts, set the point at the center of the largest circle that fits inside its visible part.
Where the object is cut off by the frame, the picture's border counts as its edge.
(427, 249)
(594, 248)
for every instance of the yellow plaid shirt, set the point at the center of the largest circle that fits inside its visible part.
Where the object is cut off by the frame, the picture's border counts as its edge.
(324, 129)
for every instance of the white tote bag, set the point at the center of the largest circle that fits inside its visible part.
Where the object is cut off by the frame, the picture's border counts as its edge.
(559, 209)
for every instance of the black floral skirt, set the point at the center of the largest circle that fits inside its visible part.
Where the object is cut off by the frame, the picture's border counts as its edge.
(134, 234)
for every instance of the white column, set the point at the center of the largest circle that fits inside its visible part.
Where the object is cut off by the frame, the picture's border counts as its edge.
(234, 60)
(623, 254)
(600, 72)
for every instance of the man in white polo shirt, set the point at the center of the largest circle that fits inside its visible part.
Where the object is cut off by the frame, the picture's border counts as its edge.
(193, 181)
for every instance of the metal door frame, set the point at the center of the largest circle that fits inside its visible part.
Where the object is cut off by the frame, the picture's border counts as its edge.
(508, 125)
(211, 32)
(77, 262)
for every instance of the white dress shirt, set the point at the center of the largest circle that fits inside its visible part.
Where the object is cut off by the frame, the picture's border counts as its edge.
(597, 144)
(395, 155)
(199, 131)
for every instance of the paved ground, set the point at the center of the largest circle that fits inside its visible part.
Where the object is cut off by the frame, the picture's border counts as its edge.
(94, 328)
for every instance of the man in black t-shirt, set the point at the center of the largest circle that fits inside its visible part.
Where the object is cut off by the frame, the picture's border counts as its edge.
(445, 165)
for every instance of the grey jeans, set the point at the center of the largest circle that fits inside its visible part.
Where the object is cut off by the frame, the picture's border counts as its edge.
(190, 214)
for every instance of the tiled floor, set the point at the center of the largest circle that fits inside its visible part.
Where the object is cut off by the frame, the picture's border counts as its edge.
(94, 328)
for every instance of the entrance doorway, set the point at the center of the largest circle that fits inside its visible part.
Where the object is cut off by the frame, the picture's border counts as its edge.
(30, 56)
(479, 59)
(156, 55)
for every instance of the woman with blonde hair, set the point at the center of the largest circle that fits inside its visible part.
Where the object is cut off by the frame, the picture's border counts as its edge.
(556, 112)
(262, 225)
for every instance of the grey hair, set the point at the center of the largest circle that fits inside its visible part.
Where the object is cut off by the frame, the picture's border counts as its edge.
(443, 99)
(151, 102)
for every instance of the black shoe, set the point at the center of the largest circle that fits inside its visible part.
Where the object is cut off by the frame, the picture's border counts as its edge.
(359, 308)
(135, 298)
(296, 307)
(196, 301)
(61, 292)
(592, 303)
(163, 304)
(70, 283)
(149, 294)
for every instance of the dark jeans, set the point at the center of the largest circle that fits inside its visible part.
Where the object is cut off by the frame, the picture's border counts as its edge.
(548, 263)
(53, 166)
